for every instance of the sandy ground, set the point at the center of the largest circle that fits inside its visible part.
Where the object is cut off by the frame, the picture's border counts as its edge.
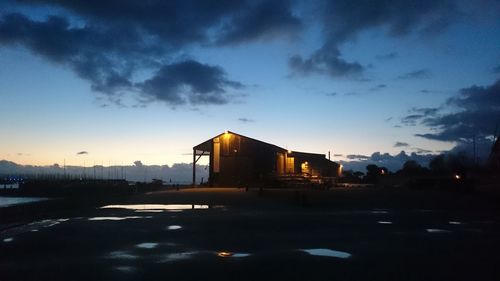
(231, 234)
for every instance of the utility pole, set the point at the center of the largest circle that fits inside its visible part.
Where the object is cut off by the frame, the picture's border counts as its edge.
(474, 148)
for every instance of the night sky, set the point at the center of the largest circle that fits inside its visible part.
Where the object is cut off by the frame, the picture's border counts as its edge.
(112, 82)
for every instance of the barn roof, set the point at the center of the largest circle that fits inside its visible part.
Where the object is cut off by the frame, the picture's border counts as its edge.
(206, 145)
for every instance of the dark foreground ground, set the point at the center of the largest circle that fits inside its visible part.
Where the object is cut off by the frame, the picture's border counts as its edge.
(363, 234)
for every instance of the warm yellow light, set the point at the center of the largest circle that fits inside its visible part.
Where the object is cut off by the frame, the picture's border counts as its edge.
(306, 163)
(341, 166)
(226, 132)
(224, 254)
(382, 172)
(289, 151)
(457, 177)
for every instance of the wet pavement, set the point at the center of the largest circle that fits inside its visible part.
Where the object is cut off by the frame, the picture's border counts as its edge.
(203, 241)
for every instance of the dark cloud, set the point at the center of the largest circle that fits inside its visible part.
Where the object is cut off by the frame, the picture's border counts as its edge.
(267, 19)
(411, 120)
(422, 151)
(332, 94)
(108, 42)
(343, 20)
(377, 87)
(388, 56)
(82, 153)
(245, 120)
(425, 91)
(473, 112)
(426, 111)
(338, 155)
(424, 73)
(327, 61)
(496, 69)
(188, 81)
(401, 144)
(178, 23)
(418, 114)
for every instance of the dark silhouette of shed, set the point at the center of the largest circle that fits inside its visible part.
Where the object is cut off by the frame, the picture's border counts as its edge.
(239, 160)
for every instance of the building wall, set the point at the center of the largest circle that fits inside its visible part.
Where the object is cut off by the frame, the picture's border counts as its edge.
(242, 161)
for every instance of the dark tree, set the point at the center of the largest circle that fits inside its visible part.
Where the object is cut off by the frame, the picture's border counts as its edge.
(412, 167)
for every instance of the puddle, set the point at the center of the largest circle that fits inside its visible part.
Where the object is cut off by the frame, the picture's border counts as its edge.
(147, 245)
(33, 227)
(436, 230)
(12, 201)
(149, 211)
(379, 212)
(122, 255)
(174, 227)
(384, 222)
(117, 218)
(157, 207)
(177, 257)
(327, 253)
(232, 255)
(7, 240)
(125, 268)
(454, 222)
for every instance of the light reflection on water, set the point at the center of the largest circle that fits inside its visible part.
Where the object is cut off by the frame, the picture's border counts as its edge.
(157, 207)
(224, 254)
(385, 222)
(11, 201)
(7, 240)
(174, 227)
(379, 212)
(117, 218)
(147, 245)
(122, 255)
(454, 222)
(436, 230)
(125, 268)
(177, 257)
(327, 253)
(33, 227)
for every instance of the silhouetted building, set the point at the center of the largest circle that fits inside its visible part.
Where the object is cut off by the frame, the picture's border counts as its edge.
(239, 160)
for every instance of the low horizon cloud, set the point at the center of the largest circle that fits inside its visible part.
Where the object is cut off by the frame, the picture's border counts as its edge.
(391, 162)
(177, 173)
